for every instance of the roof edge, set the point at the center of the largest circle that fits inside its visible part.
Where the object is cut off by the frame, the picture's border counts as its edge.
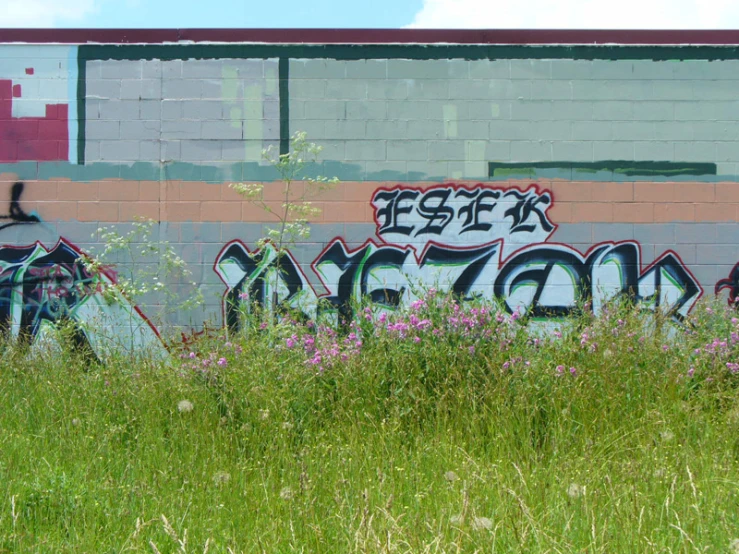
(374, 36)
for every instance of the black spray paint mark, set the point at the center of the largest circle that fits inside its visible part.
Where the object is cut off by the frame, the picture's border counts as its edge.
(16, 215)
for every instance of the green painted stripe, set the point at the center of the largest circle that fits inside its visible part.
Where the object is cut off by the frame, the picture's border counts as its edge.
(81, 111)
(617, 167)
(404, 51)
(228, 172)
(284, 81)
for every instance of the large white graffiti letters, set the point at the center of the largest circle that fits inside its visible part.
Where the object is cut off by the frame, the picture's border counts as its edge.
(475, 242)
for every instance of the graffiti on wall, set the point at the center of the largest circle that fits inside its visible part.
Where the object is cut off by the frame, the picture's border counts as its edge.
(16, 214)
(730, 283)
(41, 288)
(479, 242)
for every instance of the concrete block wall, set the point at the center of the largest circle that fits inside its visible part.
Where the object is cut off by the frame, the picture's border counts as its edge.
(568, 159)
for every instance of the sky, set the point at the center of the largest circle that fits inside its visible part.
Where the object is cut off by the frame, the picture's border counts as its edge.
(460, 14)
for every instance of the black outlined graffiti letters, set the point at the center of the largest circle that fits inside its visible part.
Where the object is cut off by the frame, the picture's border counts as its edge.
(250, 277)
(477, 242)
(462, 217)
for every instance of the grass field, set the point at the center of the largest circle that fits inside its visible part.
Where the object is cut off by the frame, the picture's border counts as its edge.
(441, 429)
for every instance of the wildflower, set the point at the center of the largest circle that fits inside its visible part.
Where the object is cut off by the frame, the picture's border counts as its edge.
(573, 371)
(560, 370)
(734, 546)
(575, 490)
(691, 372)
(472, 349)
(244, 296)
(456, 519)
(286, 493)
(184, 406)
(263, 414)
(222, 362)
(480, 523)
(75, 422)
(286, 425)
(450, 476)
(192, 355)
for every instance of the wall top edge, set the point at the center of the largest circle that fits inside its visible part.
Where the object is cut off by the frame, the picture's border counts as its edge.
(554, 37)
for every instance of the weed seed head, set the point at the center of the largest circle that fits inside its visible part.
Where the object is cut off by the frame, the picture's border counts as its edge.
(184, 406)
(575, 490)
(480, 523)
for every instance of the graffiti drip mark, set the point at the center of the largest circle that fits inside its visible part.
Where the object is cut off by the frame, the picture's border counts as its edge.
(15, 212)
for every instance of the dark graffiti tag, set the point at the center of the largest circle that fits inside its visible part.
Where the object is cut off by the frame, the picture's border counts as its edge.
(732, 284)
(16, 215)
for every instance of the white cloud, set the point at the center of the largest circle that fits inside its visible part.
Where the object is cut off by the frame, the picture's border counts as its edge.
(43, 13)
(578, 14)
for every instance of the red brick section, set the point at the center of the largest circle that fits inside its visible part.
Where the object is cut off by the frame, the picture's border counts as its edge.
(39, 139)
(113, 200)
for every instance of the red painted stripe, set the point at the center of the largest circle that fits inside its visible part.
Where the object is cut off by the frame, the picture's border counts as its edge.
(372, 36)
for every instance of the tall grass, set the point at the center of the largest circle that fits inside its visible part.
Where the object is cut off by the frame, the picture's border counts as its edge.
(438, 429)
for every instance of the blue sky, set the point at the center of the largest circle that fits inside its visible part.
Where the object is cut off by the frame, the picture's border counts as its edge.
(251, 13)
(491, 14)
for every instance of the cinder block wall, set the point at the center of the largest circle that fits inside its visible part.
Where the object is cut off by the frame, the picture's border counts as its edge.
(533, 174)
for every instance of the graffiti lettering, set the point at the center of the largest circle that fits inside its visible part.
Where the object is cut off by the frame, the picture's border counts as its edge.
(40, 288)
(547, 281)
(462, 217)
(488, 243)
(732, 284)
(252, 278)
